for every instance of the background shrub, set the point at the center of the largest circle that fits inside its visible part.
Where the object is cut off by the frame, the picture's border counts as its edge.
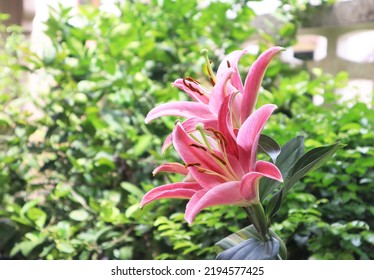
(74, 167)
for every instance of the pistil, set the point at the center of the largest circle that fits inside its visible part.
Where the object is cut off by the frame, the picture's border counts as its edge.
(212, 77)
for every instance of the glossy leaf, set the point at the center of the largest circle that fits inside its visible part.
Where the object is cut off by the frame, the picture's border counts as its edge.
(307, 163)
(269, 146)
(312, 160)
(290, 153)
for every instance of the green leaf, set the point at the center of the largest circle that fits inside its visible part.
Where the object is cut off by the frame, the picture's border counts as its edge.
(290, 153)
(38, 216)
(141, 145)
(307, 163)
(312, 160)
(28, 205)
(274, 204)
(104, 159)
(125, 253)
(269, 146)
(79, 215)
(132, 189)
(7, 231)
(65, 247)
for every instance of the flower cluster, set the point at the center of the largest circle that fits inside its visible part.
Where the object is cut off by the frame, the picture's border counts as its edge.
(218, 140)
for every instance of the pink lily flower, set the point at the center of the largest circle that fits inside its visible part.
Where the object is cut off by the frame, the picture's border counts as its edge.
(214, 176)
(206, 105)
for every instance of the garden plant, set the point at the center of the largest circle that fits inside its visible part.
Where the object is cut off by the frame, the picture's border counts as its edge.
(76, 157)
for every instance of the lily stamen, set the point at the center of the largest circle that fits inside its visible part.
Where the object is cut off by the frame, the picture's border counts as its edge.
(192, 87)
(192, 164)
(198, 146)
(219, 158)
(210, 172)
(209, 69)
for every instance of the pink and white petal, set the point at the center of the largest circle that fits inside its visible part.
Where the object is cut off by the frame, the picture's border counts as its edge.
(220, 91)
(236, 166)
(188, 150)
(167, 143)
(175, 190)
(231, 61)
(193, 89)
(269, 170)
(249, 186)
(249, 134)
(225, 125)
(225, 194)
(189, 126)
(235, 107)
(171, 167)
(186, 109)
(254, 79)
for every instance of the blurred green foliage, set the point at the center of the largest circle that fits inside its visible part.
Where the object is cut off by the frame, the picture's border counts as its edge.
(76, 156)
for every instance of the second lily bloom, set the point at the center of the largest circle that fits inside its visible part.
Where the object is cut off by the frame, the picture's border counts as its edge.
(206, 105)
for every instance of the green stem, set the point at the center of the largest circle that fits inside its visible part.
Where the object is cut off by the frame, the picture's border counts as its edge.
(260, 221)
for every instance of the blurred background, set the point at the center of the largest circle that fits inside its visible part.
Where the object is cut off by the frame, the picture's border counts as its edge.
(78, 77)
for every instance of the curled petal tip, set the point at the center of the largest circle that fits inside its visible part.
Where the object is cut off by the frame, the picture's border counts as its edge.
(147, 119)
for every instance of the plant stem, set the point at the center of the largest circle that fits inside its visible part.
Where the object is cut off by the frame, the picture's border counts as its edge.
(257, 215)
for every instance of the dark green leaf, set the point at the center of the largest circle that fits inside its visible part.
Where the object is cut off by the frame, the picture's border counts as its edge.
(269, 146)
(274, 204)
(290, 153)
(7, 230)
(309, 162)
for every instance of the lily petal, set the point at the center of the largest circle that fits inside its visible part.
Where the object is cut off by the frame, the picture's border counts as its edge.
(231, 61)
(193, 89)
(223, 194)
(171, 167)
(249, 134)
(254, 79)
(249, 186)
(189, 125)
(225, 125)
(220, 91)
(269, 170)
(186, 109)
(188, 151)
(175, 190)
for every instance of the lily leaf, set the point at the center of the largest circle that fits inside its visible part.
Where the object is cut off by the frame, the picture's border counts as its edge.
(312, 160)
(307, 163)
(269, 146)
(245, 245)
(290, 153)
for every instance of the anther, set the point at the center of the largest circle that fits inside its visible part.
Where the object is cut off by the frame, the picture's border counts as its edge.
(191, 87)
(190, 79)
(198, 146)
(212, 81)
(192, 164)
(228, 64)
(221, 137)
(219, 158)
